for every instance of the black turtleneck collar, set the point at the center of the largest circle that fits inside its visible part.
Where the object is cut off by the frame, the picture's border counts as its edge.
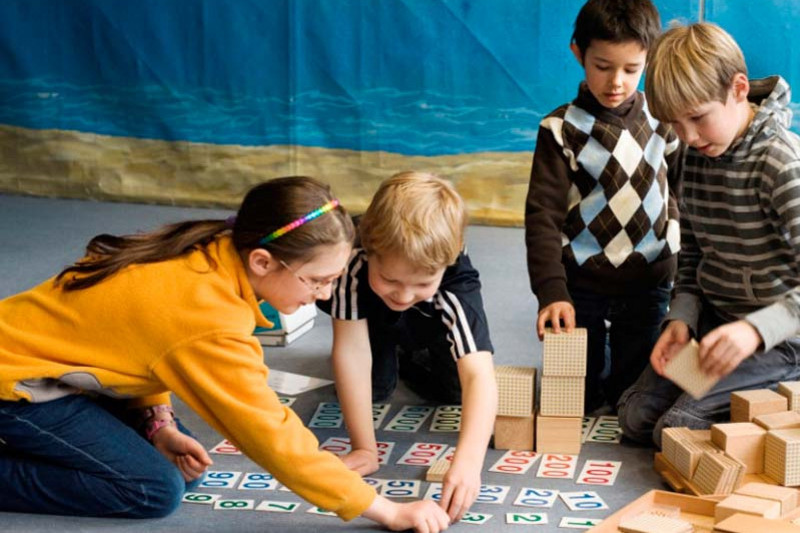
(629, 109)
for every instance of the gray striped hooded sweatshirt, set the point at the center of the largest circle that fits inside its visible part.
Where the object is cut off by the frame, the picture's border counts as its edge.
(740, 225)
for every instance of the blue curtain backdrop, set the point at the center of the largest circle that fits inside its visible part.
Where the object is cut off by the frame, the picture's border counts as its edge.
(411, 77)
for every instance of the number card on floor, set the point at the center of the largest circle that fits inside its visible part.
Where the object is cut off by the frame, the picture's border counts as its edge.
(495, 494)
(558, 466)
(225, 447)
(258, 481)
(200, 497)
(401, 488)
(586, 427)
(422, 454)
(579, 523)
(446, 419)
(434, 492)
(327, 415)
(606, 430)
(379, 412)
(286, 400)
(598, 472)
(336, 445)
(217, 479)
(526, 519)
(533, 497)
(277, 506)
(409, 419)
(583, 501)
(342, 446)
(515, 462)
(320, 511)
(234, 505)
(475, 518)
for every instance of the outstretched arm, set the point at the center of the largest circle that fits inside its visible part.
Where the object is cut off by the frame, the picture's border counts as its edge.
(352, 364)
(462, 482)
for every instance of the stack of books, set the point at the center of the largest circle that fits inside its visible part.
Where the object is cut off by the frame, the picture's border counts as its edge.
(286, 328)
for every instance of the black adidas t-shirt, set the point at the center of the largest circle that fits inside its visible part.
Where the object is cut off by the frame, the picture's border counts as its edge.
(456, 306)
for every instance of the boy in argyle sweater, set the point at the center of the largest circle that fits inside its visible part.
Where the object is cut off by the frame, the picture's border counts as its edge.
(738, 285)
(601, 220)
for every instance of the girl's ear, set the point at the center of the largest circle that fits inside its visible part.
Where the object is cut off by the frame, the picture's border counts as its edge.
(740, 87)
(576, 51)
(261, 261)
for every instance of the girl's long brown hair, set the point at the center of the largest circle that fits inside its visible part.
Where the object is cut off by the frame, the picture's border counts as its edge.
(265, 208)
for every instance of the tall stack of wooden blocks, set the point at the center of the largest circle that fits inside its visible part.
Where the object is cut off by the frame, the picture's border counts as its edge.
(559, 422)
(514, 425)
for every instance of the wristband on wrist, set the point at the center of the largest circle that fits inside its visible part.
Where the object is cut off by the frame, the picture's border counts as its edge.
(153, 426)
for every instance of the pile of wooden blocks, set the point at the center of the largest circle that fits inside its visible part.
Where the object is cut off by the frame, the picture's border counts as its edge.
(559, 422)
(763, 437)
(514, 425)
(697, 457)
(756, 500)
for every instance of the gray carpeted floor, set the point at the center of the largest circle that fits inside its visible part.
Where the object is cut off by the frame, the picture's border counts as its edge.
(39, 236)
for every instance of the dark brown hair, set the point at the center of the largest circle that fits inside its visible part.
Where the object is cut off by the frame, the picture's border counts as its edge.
(617, 21)
(265, 208)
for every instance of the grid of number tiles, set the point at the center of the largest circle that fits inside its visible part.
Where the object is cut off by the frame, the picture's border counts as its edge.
(260, 491)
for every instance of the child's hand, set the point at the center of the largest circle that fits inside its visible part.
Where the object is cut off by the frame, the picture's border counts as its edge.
(674, 337)
(183, 451)
(723, 348)
(365, 462)
(423, 516)
(459, 490)
(555, 313)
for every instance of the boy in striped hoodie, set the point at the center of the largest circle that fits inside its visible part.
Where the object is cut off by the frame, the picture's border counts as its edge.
(738, 285)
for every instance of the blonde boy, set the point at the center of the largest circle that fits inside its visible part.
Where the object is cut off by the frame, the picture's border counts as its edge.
(738, 285)
(409, 304)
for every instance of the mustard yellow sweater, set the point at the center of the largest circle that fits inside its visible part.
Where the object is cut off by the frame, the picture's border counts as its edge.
(183, 326)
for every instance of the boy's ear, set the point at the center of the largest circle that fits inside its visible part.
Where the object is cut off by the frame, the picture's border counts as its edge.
(260, 261)
(740, 87)
(576, 51)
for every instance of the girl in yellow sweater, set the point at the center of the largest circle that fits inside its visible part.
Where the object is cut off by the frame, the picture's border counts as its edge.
(173, 311)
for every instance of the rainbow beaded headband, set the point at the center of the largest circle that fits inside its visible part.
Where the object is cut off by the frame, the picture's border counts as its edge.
(300, 221)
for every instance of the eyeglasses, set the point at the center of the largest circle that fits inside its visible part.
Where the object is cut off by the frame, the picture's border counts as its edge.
(316, 286)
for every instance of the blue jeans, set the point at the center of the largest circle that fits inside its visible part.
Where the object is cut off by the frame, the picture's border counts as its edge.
(635, 324)
(72, 456)
(654, 403)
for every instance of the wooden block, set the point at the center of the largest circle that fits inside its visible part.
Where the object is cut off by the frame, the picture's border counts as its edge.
(670, 437)
(437, 470)
(514, 432)
(786, 496)
(782, 456)
(748, 404)
(717, 473)
(742, 440)
(564, 354)
(684, 370)
(654, 523)
(780, 420)
(791, 389)
(745, 523)
(688, 453)
(561, 396)
(738, 503)
(516, 390)
(558, 434)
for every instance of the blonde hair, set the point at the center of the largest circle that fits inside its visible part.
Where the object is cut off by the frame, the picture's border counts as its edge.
(689, 66)
(417, 215)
